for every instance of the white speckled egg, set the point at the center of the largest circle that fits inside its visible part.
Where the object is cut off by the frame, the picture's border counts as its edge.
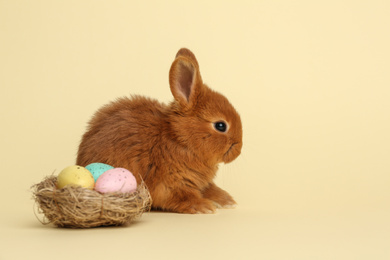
(116, 180)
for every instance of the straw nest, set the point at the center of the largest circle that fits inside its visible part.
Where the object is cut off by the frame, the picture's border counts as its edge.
(76, 207)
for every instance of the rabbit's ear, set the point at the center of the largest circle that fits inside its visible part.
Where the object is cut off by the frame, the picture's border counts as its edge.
(185, 80)
(184, 52)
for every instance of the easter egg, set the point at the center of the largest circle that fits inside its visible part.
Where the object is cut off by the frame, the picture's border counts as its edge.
(98, 169)
(116, 180)
(75, 175)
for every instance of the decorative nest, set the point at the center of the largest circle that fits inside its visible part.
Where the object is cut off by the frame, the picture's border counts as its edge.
(76, 207)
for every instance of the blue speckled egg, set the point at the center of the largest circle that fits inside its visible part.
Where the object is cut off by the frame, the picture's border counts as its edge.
(98, 169)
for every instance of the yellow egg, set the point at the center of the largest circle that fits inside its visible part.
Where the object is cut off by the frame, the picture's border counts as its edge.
(77, 176)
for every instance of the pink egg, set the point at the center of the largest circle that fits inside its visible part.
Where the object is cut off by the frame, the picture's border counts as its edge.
(116, 180)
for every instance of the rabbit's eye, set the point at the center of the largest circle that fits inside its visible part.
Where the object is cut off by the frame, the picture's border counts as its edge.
(220, 126)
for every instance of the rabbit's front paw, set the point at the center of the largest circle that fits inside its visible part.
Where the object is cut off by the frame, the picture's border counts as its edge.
(221, 198)
(204, 207)
(198, 206)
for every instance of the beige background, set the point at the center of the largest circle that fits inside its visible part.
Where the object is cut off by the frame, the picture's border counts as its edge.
(310, 79)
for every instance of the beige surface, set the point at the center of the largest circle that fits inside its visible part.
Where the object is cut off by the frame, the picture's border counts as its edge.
(311, 81)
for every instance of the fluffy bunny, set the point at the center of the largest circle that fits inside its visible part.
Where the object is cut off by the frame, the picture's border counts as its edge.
(175, 148)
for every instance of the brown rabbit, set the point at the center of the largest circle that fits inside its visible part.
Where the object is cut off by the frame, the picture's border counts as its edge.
(176, 148)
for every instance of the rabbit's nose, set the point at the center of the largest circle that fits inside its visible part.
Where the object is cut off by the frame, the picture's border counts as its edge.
(233, 152)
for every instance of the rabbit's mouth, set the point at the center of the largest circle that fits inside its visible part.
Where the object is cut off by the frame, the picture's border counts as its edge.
(232, 153)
